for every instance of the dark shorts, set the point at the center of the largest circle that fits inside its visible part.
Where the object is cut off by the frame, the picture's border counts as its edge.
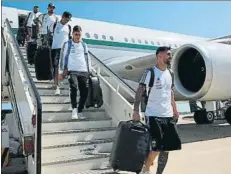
(163, 133)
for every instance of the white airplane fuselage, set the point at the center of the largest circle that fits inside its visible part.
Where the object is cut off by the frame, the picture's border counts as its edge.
(127, 50)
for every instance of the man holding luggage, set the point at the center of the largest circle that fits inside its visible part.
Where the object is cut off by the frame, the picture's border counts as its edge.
(75, 63)
(30, 25)
(161, 108)
(45, 21)
(61, 34)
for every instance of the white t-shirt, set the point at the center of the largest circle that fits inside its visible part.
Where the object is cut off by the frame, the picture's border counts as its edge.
(31, 18)
(159, 101)
(47, 22)
(76, 60)
(60, 35)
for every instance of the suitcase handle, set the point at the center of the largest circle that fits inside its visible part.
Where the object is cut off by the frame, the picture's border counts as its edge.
(138, 125)
(137, 122)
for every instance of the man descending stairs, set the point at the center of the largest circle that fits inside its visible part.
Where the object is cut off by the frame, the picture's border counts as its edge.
(72, 146)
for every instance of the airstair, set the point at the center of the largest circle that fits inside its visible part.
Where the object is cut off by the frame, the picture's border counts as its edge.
(53, 142)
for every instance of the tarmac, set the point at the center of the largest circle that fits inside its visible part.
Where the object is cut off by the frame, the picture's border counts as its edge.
(206, 149)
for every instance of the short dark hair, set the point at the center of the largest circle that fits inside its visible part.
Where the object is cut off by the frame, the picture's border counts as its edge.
(67, 14)
(36, 6)
(77, 28)
(162, 49)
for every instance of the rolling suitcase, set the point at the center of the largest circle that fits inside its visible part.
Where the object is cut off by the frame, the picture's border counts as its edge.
(31, 50)
(95, 94)
(43, 63)
(131, 146)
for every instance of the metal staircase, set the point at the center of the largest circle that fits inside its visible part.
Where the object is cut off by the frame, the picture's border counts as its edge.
(70, 145)
(63, 145)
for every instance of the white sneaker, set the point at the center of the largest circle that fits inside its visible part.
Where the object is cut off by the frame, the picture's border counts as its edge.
(80, 115)
(74, 114)
(57, 91)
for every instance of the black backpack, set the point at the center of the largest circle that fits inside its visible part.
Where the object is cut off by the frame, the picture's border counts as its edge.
(145, 95)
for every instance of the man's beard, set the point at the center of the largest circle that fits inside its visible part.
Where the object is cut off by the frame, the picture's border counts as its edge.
(168, 63)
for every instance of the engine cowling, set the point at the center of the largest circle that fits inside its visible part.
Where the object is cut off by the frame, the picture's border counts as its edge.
(203, 71)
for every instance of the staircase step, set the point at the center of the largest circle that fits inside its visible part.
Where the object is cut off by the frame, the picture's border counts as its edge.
(97, 171)
(73, 136)
(64, 115)
(79, 148)
(70, 124)
(47, 81)
(51, 91)
(49, 84)
(75, 163)
(55, 98)
(56, 106)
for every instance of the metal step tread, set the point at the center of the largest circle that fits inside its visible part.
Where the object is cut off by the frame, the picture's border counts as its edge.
(53, 95)
(84, 110)
(51, 88)
(79, 131)
(96, 171)
(74, 158)
(77, 120)
(58, 102)
(98, 141)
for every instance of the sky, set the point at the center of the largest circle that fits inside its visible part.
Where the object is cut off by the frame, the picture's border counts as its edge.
(206, 19)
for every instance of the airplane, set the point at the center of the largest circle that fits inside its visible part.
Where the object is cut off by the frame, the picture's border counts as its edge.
(201, 65)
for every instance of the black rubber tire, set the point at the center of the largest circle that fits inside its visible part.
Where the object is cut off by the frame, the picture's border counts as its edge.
(199, 116)
(209, 117)
(228, 115)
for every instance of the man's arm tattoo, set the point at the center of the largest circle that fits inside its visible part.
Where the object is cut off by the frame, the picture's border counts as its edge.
(138, 96)
(173, 101)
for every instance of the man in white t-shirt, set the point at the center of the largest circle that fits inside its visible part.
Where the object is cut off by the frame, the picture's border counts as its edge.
(45, 21)
(61, 33)
(30, 25)
(76, 63)
(161, 110)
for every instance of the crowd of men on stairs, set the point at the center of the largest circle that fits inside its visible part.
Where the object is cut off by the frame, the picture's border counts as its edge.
(67, 48)
(57, 34)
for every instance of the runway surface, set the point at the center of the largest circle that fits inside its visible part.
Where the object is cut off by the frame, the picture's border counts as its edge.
(206, 149)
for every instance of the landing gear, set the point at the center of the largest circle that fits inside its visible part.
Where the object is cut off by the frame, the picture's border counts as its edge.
(228, 115)
(211, 111)
(204, 117)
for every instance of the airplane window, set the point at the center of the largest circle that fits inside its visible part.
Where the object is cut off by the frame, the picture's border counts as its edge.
(139, 41)
(126, 40)
(146, 42)
(104, 37)
(133, 40)
(96, 36)
(152, 43)
(111, 37)
(87, 35)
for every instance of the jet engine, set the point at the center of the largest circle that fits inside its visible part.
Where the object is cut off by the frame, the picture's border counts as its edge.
(203, 71)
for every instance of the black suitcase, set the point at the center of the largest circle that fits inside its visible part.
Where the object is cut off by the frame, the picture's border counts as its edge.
(43, 63)
(21, 36)
(131, 146)
(95, 94)
(31, 50)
